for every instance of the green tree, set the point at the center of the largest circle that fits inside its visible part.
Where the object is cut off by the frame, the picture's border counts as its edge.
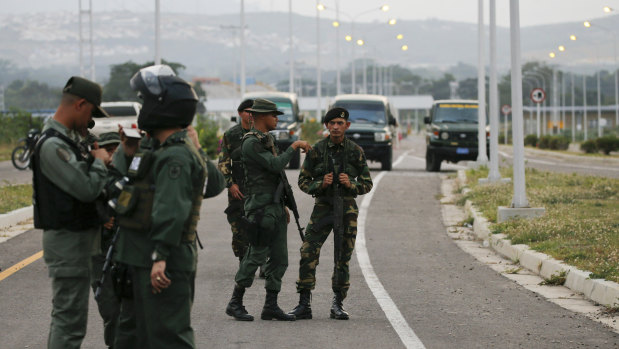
(117, 88)
(31, 95)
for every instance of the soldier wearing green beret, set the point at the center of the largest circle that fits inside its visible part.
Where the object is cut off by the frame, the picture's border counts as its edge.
(267, 214)
(334, 153)
(66, 184)
(158, 212)
(231, 167)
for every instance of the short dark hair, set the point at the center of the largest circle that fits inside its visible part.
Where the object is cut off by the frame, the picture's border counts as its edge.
(245, 104)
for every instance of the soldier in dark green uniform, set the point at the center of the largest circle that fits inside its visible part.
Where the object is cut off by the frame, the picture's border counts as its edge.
(107, 302)
(269, 216)
(158, 212)
(66, 185)
(231, 167)
(316, 179)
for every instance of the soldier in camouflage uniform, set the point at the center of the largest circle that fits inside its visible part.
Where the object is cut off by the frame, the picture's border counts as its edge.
(316, 179)
(231, 167)
(267, 233)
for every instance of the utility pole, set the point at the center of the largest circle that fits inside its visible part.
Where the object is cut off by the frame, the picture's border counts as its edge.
(157, 32)
(242, 34)
(86, 13)
(482, 158)
(291, 53)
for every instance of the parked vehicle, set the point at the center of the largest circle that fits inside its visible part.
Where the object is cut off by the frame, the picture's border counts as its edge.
(123, 113)
(23, 152)
(289, 124)
(451, 132)
(374, 125)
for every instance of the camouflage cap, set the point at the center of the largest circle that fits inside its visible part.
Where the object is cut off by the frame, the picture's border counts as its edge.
(264, 106)
(89, 90)
(108, 138)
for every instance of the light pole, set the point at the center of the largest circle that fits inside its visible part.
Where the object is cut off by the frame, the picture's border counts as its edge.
(494, 174)
(291, 52)
(242, 38)
(336, 24)
(482, 158)
(588, 24)
(157, 33)
(319, 7)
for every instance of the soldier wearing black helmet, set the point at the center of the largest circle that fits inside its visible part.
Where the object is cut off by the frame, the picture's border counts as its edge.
(158, 211)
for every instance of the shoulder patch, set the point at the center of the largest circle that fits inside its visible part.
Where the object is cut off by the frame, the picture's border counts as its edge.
(175, 170)
(63, 154)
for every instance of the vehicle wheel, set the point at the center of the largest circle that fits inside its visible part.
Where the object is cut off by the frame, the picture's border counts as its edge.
(21, 157)
(433, 162)
(295, 162)
(386, 163)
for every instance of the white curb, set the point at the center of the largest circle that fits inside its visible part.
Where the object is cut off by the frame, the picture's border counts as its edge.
(14, 217)
(598, 290)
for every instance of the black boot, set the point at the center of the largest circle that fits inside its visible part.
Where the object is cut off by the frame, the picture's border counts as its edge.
(235, 307)
(337, 311)
(272, 311)
(304, 309)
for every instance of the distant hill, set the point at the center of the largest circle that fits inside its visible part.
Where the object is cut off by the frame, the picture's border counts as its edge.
(46, 44)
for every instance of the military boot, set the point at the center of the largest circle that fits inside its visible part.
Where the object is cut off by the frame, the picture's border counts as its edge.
(304, 309)
(235, 307)
(337, 310)
(272, 311)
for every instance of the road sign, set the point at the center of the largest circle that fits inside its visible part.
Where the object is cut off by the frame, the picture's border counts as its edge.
(538, 95)
(506, 109)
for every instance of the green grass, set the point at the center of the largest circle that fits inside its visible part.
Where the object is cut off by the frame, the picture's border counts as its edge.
(578, 153)
(13, 197)
(5, 151)
(581, 225)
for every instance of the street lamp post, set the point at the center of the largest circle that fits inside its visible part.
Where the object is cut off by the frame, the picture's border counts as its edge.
(482, 158)
(319, 7)
(291, 53)
(157, 33)
(242, 39)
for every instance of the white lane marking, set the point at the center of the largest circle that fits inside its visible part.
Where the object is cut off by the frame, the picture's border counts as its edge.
(398, 322)
(563, 164)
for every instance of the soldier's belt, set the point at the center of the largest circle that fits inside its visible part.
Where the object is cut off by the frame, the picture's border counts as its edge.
(329, 199)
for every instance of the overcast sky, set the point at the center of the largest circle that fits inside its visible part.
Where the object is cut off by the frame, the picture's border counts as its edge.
(532, 12)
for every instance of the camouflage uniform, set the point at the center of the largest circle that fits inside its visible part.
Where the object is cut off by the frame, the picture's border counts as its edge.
(313, 170)
(231, 167)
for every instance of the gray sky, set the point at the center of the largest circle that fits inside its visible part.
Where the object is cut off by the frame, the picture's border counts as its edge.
(532, 12)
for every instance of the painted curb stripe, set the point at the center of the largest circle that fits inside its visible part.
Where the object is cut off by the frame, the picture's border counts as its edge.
(398, 322)
(15, 268)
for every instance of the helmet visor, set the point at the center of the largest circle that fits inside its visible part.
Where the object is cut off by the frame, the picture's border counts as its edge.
(148, 78)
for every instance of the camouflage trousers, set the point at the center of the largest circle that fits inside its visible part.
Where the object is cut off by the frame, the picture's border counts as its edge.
(316, 234)
(240, 242)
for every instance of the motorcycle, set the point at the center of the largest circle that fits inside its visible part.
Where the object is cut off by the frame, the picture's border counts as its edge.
(23, 152)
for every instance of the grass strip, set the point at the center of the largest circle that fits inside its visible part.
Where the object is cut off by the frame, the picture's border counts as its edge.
(581, 225)
(5, 151)
(13, 197)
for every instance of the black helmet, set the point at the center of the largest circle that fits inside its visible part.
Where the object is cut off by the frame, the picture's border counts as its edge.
(169, 101)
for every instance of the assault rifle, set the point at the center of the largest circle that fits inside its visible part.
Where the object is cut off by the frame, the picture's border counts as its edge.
(108, 263)
(284, 193)
(338, 222)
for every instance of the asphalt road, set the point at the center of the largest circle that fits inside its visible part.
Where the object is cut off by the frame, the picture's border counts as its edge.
(446, 297)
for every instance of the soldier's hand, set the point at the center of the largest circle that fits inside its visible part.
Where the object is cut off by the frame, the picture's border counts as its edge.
(193, 135)
(236, 192)
(344, 180)
(102, 154)
(109, 224)
(303, 145)
(158, 279)
(327, 180)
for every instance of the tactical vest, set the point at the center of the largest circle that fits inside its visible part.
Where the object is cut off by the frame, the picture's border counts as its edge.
(257, 180)
(342, 162)
(235, 137)
(135, 203)
(54, 208)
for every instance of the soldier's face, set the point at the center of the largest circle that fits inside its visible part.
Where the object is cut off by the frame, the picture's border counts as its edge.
(337, 127)
(83, 114)
(271, 121)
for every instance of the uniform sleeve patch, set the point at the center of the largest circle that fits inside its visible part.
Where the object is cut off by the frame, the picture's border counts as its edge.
(174, 170)
(63, 154)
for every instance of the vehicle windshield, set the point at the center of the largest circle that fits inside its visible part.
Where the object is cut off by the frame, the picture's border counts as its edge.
(368, 112)
(285, 106)
(120, 111)
(456, 112)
